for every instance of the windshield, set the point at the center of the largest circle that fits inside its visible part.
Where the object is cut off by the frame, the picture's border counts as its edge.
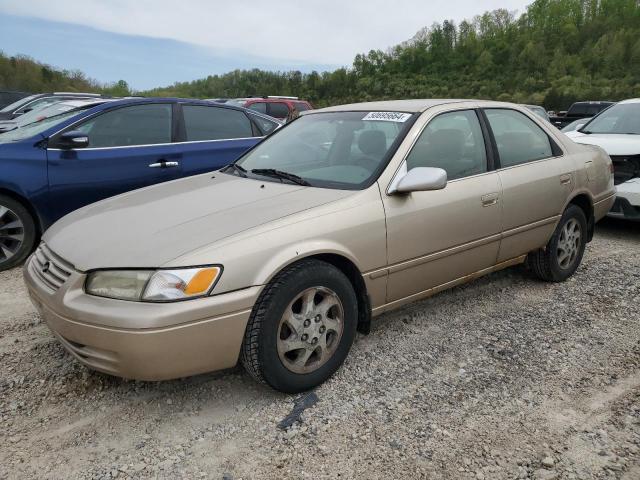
(345, 150)
(623, 118)
(49, 111)
(34, 128)
(12, 106)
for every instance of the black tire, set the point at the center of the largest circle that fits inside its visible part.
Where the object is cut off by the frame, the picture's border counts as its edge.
(259, 354)
(545, 263)
(7, 240)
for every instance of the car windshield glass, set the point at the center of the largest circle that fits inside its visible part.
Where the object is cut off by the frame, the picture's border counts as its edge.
(48, 112)
(12, 106)
(623, 118)
(34, 128)
(345, 150)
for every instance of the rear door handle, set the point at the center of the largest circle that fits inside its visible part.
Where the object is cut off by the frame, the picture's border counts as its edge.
(489, 199)
(164, 164)
(565, 179)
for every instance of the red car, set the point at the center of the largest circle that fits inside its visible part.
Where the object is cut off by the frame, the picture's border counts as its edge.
(277, 107)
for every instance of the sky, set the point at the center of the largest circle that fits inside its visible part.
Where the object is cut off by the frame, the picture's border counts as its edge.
(152, 43)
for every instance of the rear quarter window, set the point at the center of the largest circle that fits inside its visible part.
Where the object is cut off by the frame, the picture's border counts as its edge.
(302, 106)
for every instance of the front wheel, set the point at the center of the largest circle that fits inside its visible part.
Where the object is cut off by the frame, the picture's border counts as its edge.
(563, 254)
(17, 233)
(301, 328)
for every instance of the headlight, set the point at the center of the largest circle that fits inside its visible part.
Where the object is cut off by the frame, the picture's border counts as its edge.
(153, 285)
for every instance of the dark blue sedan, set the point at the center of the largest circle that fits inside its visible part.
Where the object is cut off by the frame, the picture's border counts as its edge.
(52, 167)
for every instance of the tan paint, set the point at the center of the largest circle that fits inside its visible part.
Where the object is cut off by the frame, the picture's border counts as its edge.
(407, 247)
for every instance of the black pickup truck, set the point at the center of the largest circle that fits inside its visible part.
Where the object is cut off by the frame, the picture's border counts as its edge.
(579, 110)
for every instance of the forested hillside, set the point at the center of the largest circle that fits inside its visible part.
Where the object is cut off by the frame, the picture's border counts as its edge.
(556, 52)
(25, 74)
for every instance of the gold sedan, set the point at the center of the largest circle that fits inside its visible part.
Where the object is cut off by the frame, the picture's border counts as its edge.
(347, 212)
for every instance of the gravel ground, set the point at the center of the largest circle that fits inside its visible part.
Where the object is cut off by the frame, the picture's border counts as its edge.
(505, 377)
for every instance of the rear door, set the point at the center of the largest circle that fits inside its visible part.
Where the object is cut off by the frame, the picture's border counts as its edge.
(212, 137)
(129, 147)
(536, 181)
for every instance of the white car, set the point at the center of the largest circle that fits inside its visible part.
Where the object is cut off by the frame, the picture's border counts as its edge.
(617, 131)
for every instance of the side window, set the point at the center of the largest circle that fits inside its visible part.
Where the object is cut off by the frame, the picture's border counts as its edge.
(278, 110)
(518, 138)
(258, 107)
(302, 107)
(215, 123)
(451, 141)
(127, 126)
(265, 126)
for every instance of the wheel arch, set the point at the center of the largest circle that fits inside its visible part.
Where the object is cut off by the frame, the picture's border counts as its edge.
(585, 202)
(349, 268)
(26, 204)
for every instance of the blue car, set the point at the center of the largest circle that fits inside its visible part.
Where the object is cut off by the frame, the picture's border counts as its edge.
(52, 167)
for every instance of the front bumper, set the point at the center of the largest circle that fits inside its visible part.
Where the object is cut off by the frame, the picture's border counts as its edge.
(143, 341)
(627, 204)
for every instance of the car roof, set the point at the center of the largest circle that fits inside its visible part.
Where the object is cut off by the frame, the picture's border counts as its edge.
(594, 102)
(270, 100)
(107, 104)
(631, 100)
(410, 106)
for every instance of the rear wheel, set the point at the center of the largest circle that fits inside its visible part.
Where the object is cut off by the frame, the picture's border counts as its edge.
(17, 233)
(563, 254)
(301, 328)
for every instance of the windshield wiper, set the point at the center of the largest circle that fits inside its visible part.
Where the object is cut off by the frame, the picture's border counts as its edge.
(241, 170)
(272, 172)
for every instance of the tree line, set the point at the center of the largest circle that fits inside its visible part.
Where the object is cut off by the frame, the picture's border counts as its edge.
(555, 53)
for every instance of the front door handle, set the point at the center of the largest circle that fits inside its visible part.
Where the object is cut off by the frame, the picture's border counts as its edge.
(489, 199)
(565, 179)
(164, 164)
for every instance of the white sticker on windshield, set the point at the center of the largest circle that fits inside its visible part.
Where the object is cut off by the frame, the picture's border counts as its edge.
(397, 117)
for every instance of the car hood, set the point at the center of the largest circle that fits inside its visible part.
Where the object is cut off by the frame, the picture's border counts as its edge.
(149, 227)
(612, 144)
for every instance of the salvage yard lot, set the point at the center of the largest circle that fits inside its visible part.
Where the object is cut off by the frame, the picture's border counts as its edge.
(506, 377)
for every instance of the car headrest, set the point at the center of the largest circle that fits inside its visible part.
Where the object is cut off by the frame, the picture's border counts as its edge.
(373, 142)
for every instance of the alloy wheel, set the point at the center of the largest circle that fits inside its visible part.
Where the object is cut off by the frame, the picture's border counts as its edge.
(569, 243)
(11, 233)
(310, 330)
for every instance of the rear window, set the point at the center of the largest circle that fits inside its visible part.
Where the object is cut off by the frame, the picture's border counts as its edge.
(278, 110)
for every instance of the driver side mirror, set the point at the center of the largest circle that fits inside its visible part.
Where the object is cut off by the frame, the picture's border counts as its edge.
(421, 179)
(73, 139)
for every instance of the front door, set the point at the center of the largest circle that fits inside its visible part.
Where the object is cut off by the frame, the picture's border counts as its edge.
(439, 236)
(129, 148)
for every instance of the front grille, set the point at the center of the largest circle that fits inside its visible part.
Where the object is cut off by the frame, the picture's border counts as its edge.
(625, 168)
(48, 267)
